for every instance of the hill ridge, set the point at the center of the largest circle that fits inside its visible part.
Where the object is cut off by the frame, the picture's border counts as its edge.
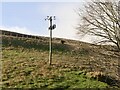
(16, 34)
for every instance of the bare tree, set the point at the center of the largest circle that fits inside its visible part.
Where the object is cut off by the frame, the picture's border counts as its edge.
(101, 18)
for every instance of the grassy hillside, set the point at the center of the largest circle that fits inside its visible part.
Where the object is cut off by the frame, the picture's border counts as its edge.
(74, 65)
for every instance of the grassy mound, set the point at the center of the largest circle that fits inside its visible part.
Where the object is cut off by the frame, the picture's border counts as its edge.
(25, 64)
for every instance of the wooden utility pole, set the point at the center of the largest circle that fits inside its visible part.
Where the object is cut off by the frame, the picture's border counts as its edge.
(51, 27)
(50, 42)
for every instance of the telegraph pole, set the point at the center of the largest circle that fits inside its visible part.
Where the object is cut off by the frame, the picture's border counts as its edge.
(51, 27)
(50, 42)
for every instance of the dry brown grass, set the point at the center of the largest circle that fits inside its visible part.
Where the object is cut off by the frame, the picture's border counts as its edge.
(31, 58)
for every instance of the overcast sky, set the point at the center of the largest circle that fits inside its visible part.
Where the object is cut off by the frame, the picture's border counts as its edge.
(28, 16)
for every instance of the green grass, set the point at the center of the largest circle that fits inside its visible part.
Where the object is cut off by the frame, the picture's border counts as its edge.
(73, 79)
(25, 64)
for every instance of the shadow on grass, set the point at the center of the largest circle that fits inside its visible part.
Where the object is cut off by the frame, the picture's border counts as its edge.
(34, 43)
